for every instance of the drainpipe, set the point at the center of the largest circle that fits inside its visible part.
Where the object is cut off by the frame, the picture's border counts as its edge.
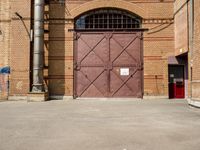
(38, 53)
(191, 36)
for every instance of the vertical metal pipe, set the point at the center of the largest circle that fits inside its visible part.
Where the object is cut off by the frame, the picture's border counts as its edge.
(191, 36)
(38, 53)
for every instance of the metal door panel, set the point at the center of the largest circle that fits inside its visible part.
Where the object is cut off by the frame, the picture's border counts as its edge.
(99, 59)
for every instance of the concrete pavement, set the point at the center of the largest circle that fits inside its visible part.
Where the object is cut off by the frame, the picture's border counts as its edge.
(99, 125)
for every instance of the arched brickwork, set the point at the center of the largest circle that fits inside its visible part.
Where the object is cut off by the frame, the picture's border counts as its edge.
(134, 8)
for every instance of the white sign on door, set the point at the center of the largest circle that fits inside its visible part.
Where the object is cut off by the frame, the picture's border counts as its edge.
(124, 71)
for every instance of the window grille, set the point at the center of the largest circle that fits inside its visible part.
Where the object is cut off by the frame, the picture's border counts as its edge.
(108, 19)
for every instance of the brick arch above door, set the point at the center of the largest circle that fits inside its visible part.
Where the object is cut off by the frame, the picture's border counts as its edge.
(95, 4)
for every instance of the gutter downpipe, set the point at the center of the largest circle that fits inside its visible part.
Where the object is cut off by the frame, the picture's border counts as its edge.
(38, 52)
(191, 35)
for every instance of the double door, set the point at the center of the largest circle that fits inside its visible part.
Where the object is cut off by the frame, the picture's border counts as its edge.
(108, 64)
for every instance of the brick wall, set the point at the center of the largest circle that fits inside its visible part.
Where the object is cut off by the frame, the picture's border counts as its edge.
(196, 52)
(20, 48)
(181, 32)
(158, 46)
(158, 43)
(181, 12)
(4, 43)
(182, 29)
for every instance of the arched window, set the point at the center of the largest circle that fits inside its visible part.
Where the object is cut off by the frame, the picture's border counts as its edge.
(107, 19)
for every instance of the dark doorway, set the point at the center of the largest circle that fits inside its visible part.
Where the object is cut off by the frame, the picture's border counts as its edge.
(176, 81)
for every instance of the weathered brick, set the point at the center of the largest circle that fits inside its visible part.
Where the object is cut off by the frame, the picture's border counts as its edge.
(159, 42)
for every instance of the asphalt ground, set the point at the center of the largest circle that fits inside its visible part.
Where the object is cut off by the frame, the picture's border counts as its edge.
(99, 124)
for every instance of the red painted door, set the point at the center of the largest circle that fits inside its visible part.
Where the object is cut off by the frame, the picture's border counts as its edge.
(176, 81)
(179, 90)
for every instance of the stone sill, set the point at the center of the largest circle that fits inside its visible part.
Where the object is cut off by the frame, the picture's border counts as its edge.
(37, 96)
(194, 102)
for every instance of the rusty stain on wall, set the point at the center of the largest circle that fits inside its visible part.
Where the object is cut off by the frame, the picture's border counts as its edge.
(19, 85)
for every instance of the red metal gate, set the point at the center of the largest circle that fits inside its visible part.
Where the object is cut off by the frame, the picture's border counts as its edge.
(108, 64)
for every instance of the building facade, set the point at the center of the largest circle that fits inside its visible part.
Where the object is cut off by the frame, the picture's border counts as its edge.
(100, 48)
(195, 37)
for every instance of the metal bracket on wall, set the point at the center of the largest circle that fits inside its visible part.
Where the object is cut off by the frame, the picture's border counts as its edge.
(29, 33)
